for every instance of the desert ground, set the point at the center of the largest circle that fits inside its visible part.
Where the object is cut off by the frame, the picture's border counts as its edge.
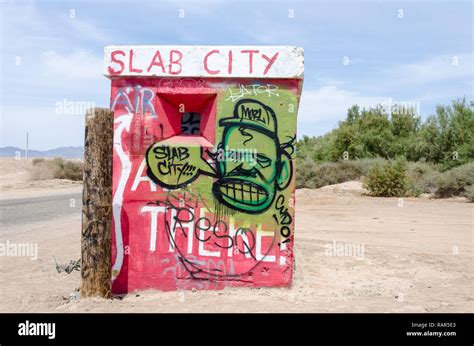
(417, 255)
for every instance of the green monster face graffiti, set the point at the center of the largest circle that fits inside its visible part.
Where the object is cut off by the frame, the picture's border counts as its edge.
(253, 167)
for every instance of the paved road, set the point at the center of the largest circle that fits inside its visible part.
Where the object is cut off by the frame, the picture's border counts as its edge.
(19, 212)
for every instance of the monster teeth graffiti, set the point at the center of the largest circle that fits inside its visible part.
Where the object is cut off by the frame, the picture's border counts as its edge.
(244, 192)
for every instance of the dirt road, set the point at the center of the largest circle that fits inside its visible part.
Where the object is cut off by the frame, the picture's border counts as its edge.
(353, 254)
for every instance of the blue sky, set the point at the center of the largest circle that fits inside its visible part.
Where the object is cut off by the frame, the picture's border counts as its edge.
(404, 51)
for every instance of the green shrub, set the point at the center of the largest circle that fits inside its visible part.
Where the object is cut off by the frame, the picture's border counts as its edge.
(454, 182)
(387, 180)
(445, 138)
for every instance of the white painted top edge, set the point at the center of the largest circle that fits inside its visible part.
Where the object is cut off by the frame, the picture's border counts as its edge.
(204, 61)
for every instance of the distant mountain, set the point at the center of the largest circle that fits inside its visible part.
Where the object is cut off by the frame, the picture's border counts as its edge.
(66, 152)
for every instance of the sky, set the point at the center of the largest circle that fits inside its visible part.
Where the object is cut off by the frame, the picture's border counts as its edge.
(356, 52)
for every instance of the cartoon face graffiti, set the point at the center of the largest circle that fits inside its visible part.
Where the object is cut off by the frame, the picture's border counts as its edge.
(250, 168)
(249, 182)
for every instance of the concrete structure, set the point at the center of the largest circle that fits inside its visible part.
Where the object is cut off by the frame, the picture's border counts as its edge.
(203, 165)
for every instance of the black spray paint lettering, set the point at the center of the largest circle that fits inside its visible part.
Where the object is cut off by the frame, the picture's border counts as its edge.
(283, 218)
(182, 219)
(174, 161)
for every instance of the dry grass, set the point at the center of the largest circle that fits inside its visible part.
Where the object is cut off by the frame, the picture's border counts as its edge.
(57, 168)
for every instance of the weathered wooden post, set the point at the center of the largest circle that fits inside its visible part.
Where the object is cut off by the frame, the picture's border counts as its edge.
(97, 204)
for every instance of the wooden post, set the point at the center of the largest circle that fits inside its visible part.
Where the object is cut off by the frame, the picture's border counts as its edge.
(96, 242)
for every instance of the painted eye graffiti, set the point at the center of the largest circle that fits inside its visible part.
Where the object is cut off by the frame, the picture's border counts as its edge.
(263, 161)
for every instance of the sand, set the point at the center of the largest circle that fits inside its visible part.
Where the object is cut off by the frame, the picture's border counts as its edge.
(16, 181)
(417, 256)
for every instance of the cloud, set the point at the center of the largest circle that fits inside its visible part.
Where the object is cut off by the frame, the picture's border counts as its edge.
(268, 31)
(434, 69)
(87, 30)
(329, 104)
(24, 28)
(80, 64)
(29, 26)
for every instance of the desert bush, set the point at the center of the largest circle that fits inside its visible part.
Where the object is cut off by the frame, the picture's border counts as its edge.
(71, 170)
(469, 192)
(421, 177)
(388, 179)
(57, 168)
(314, 175)
(364, 165)
(336, 172)
(37, 161)
(42, 169)
(455, 181)
(305, 173)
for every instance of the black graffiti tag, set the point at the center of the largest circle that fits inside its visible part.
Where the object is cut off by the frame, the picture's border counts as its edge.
(283, 218)
(174, 161)
(219, 236)
(254, 114)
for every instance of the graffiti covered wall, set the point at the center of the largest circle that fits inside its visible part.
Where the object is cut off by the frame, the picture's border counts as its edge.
(203, 172)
